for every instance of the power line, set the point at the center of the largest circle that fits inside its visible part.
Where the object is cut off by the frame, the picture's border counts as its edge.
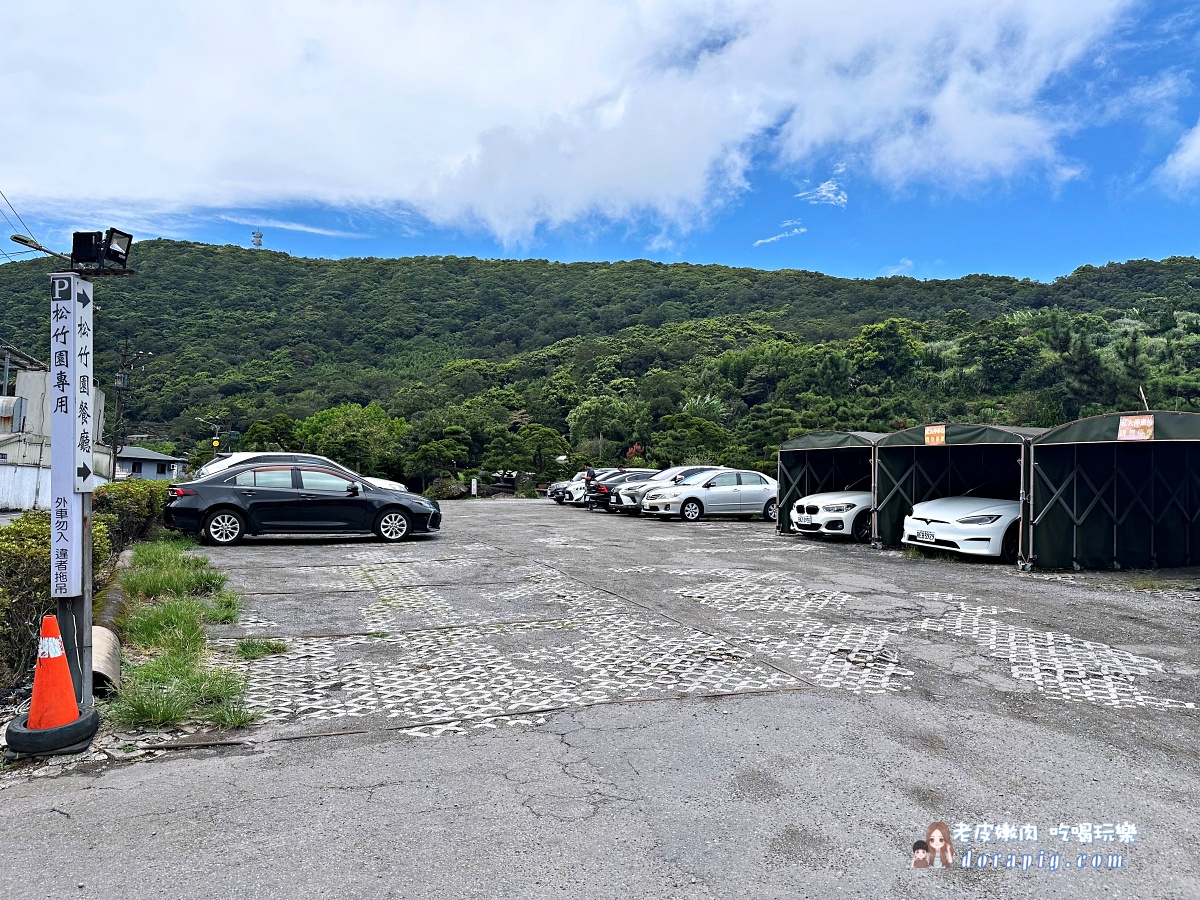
(18, 215)
(8, 220)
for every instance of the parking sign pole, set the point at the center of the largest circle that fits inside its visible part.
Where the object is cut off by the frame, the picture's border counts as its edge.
(72, 476)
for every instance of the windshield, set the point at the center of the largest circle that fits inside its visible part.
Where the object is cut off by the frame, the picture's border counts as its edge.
(699, 477)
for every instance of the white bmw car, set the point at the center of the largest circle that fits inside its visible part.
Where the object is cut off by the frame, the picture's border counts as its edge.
(834, 512)
(979, 526)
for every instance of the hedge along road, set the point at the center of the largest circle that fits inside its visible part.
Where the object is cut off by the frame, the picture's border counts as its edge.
(543, 702)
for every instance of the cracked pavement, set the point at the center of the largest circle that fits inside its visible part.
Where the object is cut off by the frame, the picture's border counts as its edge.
(548, 703)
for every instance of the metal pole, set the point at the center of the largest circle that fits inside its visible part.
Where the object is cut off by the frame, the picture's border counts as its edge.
(7, 357)
(83, 621)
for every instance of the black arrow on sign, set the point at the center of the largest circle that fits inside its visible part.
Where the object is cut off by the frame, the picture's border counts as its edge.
(83, 299)
(83, 472)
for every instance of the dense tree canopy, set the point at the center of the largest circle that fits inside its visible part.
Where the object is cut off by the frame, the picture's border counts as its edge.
(413, 367)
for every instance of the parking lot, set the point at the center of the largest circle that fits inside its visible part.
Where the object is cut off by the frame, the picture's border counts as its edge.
(545, 702)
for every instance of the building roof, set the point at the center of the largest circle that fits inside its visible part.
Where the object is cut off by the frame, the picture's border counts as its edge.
(829, 440)
(144, 453)
(21, 360)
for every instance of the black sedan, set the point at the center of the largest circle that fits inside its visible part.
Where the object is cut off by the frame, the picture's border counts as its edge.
(604, 487)
(294, 499)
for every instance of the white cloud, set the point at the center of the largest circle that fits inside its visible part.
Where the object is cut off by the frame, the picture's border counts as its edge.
(827, 193)
(793, 228)
(515, 117)
(1182, 168)
(904, 267)
(290, 226)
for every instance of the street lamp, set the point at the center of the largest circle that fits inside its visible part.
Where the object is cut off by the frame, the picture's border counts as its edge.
(34, 245)
(91, 251)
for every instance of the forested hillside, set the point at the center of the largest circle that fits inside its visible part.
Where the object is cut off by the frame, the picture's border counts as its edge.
(410, 366)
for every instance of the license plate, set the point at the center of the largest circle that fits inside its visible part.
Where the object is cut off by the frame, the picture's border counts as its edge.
(926, 536)
(804, 520)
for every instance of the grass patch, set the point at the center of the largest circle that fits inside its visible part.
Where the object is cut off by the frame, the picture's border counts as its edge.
(1147, 583)
(169, 597)
(257, 648)
(164, 569)
(175, 687)
(225, 608)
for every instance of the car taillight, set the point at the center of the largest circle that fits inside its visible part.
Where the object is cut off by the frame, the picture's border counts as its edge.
(180, 492)
(602, 489)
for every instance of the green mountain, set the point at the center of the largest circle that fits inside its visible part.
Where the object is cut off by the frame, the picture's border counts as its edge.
(666, 361)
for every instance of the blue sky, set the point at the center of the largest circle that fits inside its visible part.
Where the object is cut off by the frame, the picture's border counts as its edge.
(932, 138)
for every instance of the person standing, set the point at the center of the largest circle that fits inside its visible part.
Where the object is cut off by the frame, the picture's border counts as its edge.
(589, 482)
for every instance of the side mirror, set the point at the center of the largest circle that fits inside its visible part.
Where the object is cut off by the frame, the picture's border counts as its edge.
(709, 484)
(353, 489)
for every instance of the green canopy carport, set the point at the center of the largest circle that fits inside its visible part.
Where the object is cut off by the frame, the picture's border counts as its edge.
(1119, 490)
(823, 461)
(933, 461)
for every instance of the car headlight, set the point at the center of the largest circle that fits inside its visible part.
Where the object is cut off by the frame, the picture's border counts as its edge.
(838, 507)
(424, 503)
(978, 520)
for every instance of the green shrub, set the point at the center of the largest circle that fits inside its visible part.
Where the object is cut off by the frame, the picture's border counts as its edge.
(135, 506)
(25, 586)
(121, 512)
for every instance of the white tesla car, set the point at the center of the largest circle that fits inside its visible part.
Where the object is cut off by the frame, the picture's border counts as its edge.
(834, 512)
(979, 526)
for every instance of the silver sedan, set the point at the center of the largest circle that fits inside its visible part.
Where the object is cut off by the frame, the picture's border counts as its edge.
(729, 492)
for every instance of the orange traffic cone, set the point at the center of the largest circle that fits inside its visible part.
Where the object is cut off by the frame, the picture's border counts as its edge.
(53, 703)
(54, 723)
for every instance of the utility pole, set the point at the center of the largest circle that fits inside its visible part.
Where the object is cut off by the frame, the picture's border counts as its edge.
(121, 385)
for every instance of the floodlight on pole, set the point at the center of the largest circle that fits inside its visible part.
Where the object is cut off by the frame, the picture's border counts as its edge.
(91, 252)
(116, 246)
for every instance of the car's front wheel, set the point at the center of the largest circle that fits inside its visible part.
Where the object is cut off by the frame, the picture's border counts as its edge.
(224, 527)
(861, 530)
(691, 510)
(1010, 546)
(393, 525)
(771, 510)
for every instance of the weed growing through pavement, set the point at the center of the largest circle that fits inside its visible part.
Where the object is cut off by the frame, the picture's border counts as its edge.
(257, 648)
(1147, 583)
(225, 609)
(169, 597)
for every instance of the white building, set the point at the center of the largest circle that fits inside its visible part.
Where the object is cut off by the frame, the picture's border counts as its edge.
(25, 436)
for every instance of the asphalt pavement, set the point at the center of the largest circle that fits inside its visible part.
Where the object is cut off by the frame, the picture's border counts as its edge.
(543, 702)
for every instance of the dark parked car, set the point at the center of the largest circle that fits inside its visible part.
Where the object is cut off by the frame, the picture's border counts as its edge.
(605, 487)
(285, 499)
